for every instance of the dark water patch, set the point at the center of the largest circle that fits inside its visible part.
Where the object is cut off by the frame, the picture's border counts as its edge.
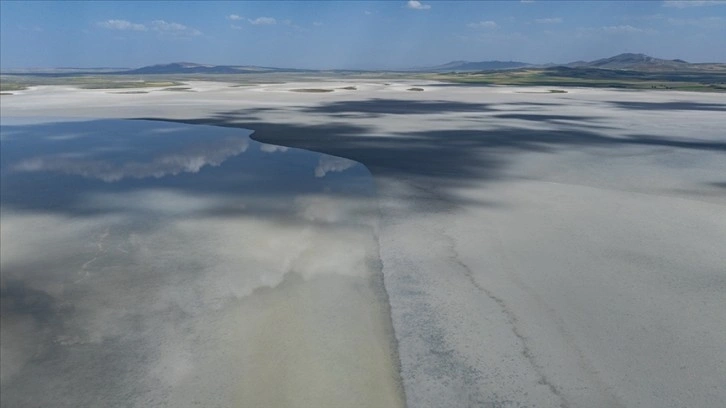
(670, 106)
(53, 166)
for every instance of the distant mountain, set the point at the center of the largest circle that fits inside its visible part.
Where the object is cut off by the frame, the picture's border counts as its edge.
(627, 61)
(183, 68)
(635, 62)
(174, 68)
(622, 62)
(476, 66)
(192, 68)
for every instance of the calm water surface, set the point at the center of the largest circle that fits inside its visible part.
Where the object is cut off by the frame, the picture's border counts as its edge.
(158, 264)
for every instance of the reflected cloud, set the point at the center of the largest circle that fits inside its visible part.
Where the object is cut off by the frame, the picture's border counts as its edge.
(189, 161)
(158, 275)
(327, 209)
(159, 201)
(165, 130)
(7, 135)
(67, 136)
(328, 164)
(269, 148)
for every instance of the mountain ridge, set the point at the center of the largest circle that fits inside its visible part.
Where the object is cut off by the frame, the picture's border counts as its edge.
(624, 61)
(632, 61)
(194, 68)
(494, 65)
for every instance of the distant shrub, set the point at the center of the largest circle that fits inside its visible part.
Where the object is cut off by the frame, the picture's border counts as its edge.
(311, 90)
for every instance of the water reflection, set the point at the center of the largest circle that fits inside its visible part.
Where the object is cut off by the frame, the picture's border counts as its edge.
(101, 150)
(146, 263)
(115, 156)
(269, 148)
(328, 164)
(106, 170)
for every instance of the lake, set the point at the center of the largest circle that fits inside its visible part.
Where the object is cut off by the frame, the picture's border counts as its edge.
(148, 263)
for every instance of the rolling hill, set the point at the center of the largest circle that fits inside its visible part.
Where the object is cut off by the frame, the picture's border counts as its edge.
(192, 68)
(461, 66)
(626, 61)
(629, 61)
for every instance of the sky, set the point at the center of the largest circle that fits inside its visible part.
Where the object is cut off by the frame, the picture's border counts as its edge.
(353, 34)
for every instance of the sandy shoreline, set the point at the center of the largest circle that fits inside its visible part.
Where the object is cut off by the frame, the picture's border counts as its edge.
(538, 249)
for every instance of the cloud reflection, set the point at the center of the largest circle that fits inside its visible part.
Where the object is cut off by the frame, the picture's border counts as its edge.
(171, 164)
(160, 275)
(328, 164)
(270, 148)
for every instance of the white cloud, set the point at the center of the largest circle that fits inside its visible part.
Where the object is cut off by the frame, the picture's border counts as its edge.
(317, 23)
(711, 22)
(291, 24)
(692, 3)
(173, 28)
(704, 22)
(490, 25)
(645, 17)
(234, 17)
(263, 21)
(368, 13)
(35, 28)
(121, 25)
(583, 32)
(552, 20)
(495, 37)
(160, 26)
(417, 5)
(624, 29)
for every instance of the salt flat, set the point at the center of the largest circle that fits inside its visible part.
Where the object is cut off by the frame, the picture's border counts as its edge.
(539, 249)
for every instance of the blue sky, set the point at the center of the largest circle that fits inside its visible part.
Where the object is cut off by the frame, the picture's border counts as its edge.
(352, 34)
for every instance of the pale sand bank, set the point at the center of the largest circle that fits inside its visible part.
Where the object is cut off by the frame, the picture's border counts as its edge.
(538, 249)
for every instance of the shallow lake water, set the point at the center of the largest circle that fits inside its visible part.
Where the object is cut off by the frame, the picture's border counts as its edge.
(148, 263)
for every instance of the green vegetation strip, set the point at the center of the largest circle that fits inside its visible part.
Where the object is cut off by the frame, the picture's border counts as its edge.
(9, 86)
(183, 89)
(125, 85)
(311, 90)
(592, 78)
(20, 82)
(701, 81)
